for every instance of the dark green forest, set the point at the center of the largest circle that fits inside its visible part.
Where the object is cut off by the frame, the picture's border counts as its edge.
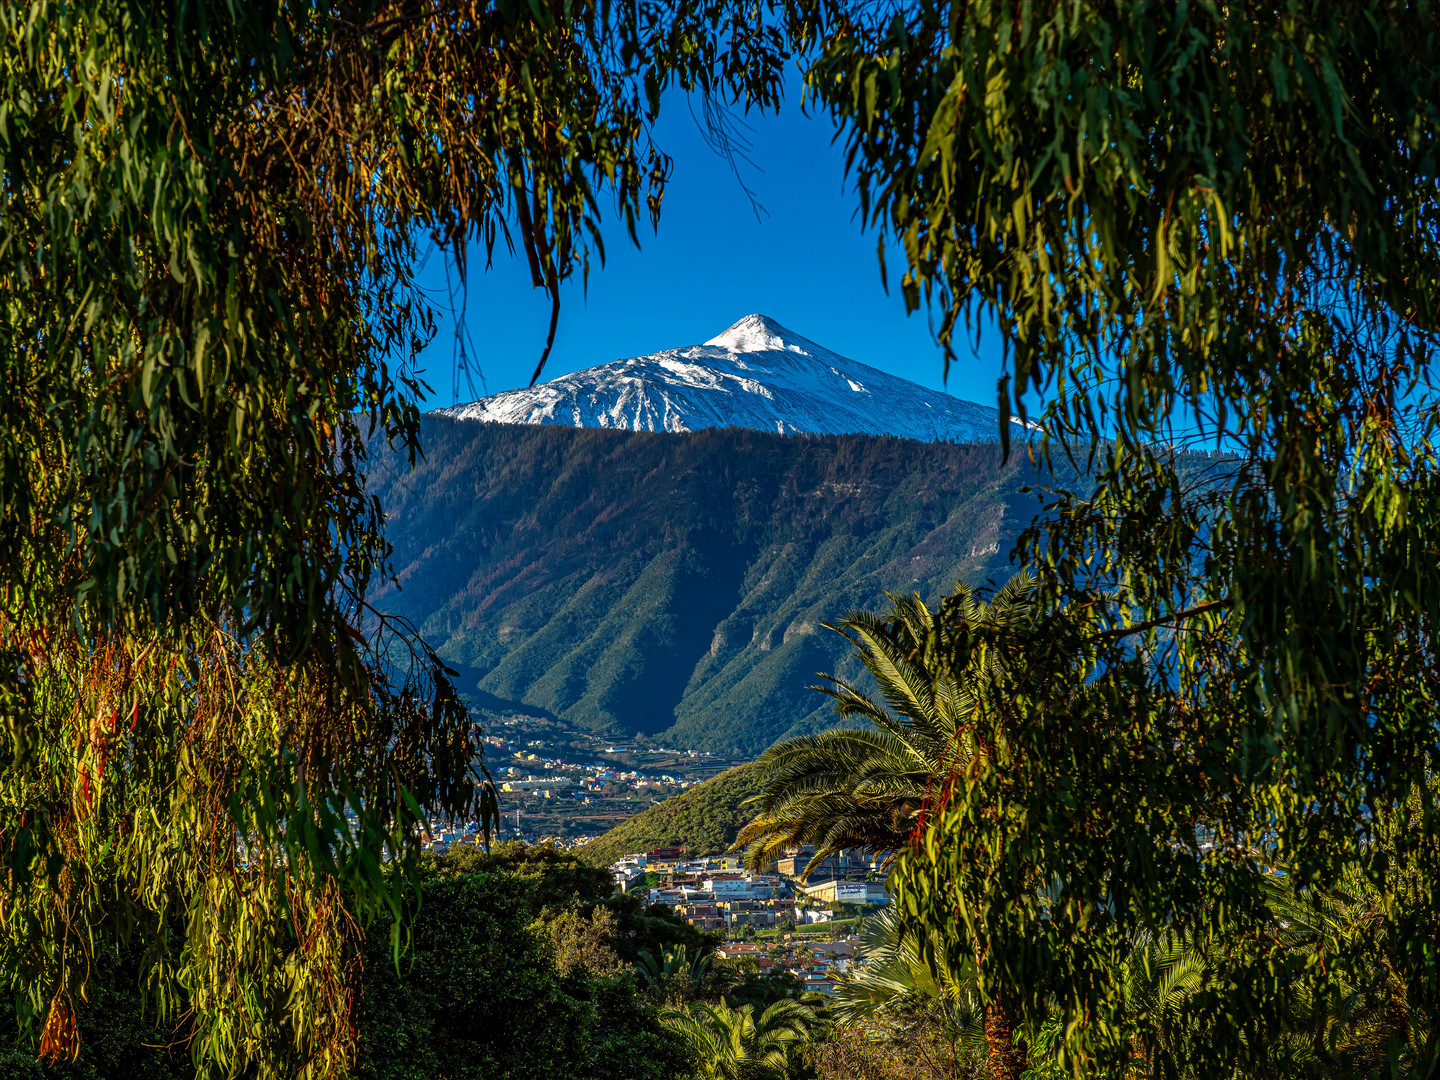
(675, 585)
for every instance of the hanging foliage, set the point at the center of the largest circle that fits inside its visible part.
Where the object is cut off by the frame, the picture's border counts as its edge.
(210, 217)
(1191, 224)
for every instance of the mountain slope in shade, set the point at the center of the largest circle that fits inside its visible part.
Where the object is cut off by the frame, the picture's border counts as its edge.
(675, 584)
(756, 375)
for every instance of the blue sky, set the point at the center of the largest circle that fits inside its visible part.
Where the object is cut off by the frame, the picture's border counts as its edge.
(806, 264)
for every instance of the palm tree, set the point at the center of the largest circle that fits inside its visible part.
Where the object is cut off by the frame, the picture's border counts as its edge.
(894, 970)
(892, 967)
(1356, 1019)
(735, 1044)
(672, 962)
(865, 787)
(1161, 976)
(899, 993)
(1350, 1023)
(674, 976)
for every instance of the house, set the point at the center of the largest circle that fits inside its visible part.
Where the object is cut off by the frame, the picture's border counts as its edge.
(702, 916)
(851, 892)
(733, 949)
(757, 887)
(759, 919)
(759, 913)
(541, 786)
(838, 865)
(626, 876)
(813, 915)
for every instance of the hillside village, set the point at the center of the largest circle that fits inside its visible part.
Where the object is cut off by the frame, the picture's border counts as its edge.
(774, 923)
(784, 920)
(715, 894)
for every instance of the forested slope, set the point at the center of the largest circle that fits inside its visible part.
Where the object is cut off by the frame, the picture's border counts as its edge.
(704, 820)
(674, 585)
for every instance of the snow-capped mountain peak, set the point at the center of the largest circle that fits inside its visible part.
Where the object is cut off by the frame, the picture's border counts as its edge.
(759, 333)
(756, 374)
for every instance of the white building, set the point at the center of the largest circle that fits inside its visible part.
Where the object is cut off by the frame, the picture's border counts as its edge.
(734, 887)
(626, 875)
(853, 892)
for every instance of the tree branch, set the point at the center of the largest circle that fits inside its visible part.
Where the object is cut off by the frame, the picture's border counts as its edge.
(1150, 624)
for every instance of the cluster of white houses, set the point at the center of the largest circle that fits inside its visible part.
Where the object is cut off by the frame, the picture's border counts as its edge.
(717, 894)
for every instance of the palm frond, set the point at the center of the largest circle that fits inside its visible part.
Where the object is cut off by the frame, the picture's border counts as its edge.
(862, 787)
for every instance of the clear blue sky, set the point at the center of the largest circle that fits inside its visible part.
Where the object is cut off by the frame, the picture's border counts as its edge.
(807, 265)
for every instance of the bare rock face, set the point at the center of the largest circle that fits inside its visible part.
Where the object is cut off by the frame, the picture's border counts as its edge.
(756, 375)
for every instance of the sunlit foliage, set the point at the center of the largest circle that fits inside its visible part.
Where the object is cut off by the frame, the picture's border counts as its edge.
(1194, 222)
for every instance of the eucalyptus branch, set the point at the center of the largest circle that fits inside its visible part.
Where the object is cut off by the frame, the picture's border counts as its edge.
(1165, 620)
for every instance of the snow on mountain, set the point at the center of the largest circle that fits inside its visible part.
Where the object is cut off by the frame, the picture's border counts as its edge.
(757, 374)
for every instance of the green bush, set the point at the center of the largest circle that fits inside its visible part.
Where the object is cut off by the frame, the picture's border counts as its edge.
(120, 1038)
(479, 993)
(18, 1065)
